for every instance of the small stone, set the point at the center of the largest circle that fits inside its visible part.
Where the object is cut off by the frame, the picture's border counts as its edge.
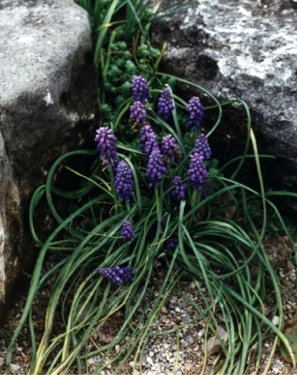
(214, 343)
(201, 333)
(149, 360)
(189, 339)
(15, 368)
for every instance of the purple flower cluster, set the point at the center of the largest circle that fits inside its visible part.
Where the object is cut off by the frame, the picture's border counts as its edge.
(118, 275)
(195, 112)
(155, 169)
(124, 184)
(139, 88)
(148, 139)
(202, 147)
(127, 231)
(105, 140)
(197, 171)
(165, 104)
(179, 190)
(169, 147)
(138, 112)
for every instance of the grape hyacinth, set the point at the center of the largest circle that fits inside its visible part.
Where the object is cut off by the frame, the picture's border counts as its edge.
(139, 88)
(202, 147)
(118, 275)
(105, 140)
(179, 191)
(165, 104)
(123, 182)
(138, 112)
(155, 170)
(197, 171)
(127, 231)
(148, 139)
(195, 112)
(170, 148)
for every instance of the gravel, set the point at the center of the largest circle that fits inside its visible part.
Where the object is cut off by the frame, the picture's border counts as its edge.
(181, 350)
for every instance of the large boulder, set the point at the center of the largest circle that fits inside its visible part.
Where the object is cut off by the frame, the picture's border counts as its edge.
(243, 49)
(47, 99)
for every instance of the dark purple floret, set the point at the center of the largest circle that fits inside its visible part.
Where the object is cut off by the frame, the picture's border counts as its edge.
(197, 170)
(155, 170)
(195, 113)
(139, 88)
(171, 243)
(202, 147)
(138, 112)
(169, 148)
(179, 190)
(123, 182)
(127, 231)
(118, 275)
(105, 140)
(165, 104)
(148, 139)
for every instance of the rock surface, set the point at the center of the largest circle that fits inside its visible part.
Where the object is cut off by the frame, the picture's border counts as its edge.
(47, 97)
(244, 49)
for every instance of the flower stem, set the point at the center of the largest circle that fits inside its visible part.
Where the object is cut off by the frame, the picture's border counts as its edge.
(158, 205)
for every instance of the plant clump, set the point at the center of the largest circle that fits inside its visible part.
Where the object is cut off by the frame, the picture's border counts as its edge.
(152, 202)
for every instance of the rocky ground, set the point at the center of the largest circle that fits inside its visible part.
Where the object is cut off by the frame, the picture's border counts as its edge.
(181, 350)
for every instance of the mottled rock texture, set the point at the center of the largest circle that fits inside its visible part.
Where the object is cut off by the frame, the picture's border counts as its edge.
(47, 97)
(245, 49)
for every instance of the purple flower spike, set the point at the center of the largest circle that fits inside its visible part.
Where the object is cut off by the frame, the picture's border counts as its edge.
(197, 170)
(105, 140)
(138, 112)
(169, 148)
(155, 170)
(127, 231)
(148, 139)
(165, 104)
(139, 88)
(118, 275)
(195, 112)
(124, 184)
(171, 243)
(202, 147)
(179, 191)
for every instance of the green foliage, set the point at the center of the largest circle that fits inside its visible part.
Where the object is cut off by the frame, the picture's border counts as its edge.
(120, 50)
(217, 253)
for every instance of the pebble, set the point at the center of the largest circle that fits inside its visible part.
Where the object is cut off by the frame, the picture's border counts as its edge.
(15, 368)
(149, 360)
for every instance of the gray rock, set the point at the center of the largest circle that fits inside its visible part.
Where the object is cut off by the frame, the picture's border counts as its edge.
(241, 49)
(47, 97)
